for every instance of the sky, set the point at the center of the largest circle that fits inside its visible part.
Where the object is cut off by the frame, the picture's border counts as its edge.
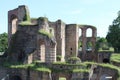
(99, 13)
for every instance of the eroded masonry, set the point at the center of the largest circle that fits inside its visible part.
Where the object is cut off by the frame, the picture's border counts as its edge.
(40, 39)
(50, 50)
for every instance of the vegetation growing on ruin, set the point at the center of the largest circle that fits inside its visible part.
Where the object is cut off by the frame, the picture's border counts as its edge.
(58, 58)
(106, 50)
(26, 66)
(40, 68)
(80, 70)
(43, 18)
(73, 60)
(110, 66)
(115, 57)
(26, 23)
(68, 64)
(26, 20)
(27, 15)
(45, 33)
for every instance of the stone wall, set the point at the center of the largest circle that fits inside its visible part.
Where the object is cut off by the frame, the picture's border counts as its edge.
(104, 57)
(23, 43)
(100, 73)
(15, 16)
(60, 38)
(71, 40)
(36, 75)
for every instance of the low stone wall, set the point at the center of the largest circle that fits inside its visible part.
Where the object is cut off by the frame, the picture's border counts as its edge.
(37, 75)
(116, 63)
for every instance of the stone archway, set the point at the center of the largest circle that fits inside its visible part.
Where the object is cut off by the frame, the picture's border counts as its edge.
(88, 43)
(15, 78)
(46, 49)
(12, 25)
(14, 20)
(106, 60)
(42, 50)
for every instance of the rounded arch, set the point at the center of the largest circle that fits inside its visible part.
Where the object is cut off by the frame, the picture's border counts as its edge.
(13, 21)
(89, 32)
(42, 50)
(16, 77)
(47, 49)
(12, 16)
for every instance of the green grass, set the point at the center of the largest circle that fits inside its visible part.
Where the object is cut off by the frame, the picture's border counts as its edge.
(41, 68)
(26, 66)
(17, 65)
(80, 70)
(68, 64)
(45, 33)
(109, 50)
(26, 23)
(115, 57)
(62, 78)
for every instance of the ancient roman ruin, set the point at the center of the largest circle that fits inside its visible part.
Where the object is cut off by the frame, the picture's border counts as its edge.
(38, 39)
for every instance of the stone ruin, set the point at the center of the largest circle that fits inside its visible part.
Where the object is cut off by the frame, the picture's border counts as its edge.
(32, 39)
(41, 39)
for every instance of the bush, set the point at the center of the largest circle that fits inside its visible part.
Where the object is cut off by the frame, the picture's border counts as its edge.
(73, 60)
(59, 57)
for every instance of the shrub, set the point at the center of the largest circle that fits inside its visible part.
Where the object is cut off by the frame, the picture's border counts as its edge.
(74, 60)
(59, 57)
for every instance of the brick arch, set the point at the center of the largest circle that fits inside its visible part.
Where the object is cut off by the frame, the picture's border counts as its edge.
(12, 18)
(46, 49)
(42, 50)
(86, 39)
(13, 23)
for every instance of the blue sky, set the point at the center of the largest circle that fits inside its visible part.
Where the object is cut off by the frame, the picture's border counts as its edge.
(99, 13)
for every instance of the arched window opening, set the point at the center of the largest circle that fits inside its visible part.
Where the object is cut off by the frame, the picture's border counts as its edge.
(89, 32)
(13, 20)
(14, 25)
(89, 46)
(80, 39)
(42, 52)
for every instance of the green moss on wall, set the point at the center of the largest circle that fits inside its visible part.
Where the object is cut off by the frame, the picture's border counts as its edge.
(45, 33)
(26, 23)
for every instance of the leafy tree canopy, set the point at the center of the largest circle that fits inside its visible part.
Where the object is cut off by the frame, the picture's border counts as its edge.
(113, 35)
(3, 42)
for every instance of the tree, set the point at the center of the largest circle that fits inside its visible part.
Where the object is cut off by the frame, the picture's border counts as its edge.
(3, 42)
(99, 42)
(113, 35)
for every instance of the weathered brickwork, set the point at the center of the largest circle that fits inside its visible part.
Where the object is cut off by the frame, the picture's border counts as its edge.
(33, 39)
